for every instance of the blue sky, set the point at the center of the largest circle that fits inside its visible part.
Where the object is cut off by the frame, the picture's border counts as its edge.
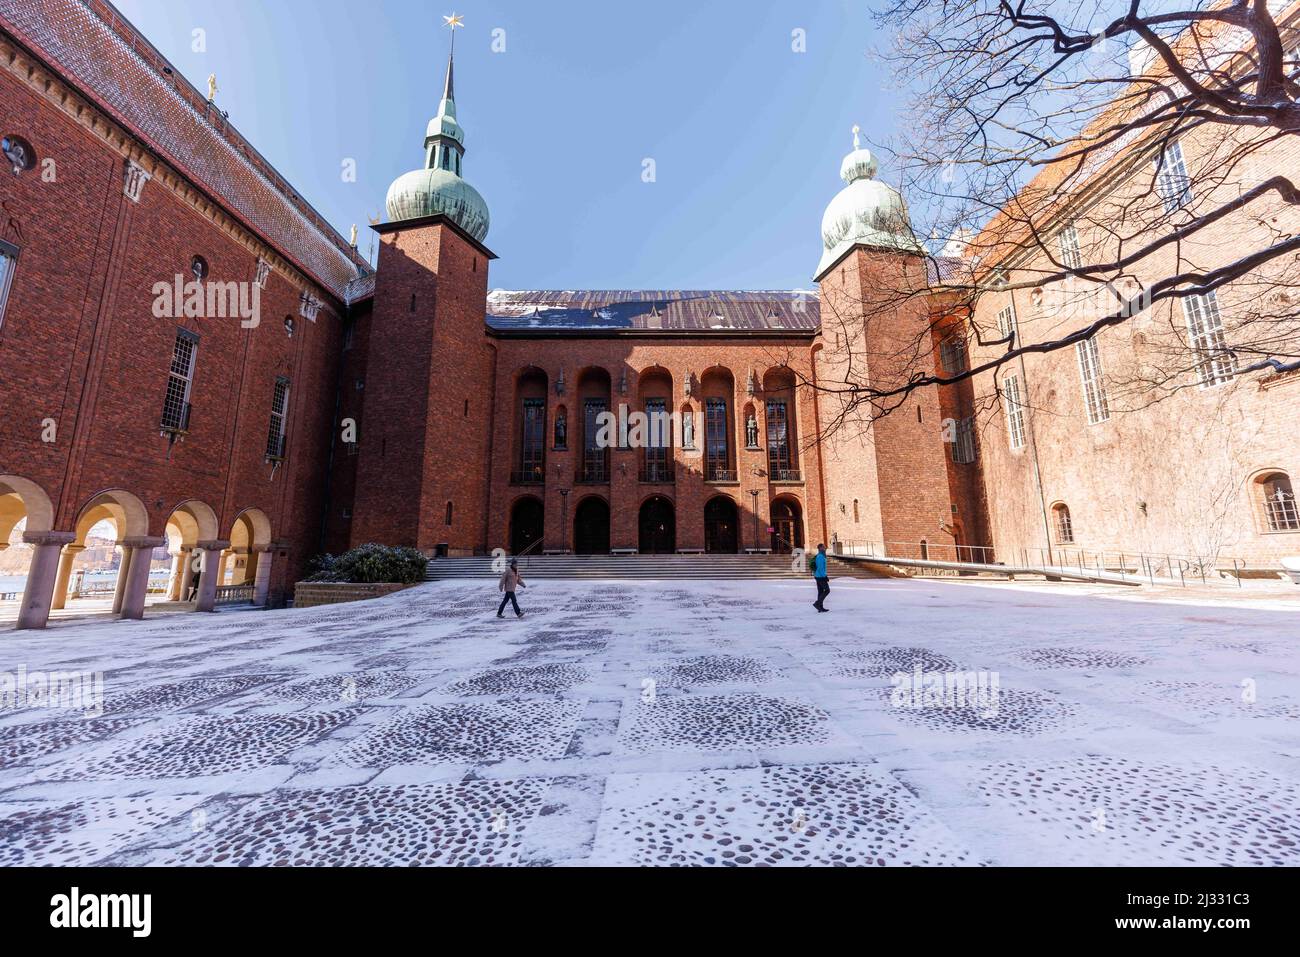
(746, 134)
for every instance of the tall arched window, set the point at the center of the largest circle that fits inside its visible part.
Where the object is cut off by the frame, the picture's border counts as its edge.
(1064, 527)
(1278, 498)
(449, 513)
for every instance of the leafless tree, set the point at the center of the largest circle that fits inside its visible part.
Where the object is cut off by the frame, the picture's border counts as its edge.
(1100, 162)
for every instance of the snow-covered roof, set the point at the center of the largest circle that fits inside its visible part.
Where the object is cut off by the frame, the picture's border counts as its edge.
(94, 48)
(795, 310)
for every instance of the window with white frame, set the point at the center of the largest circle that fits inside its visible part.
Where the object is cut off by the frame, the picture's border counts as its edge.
(1007, 323)
(1068, 240)
(1215, 362)
(275, 439)
(1094, 393)
(1015, 411)
(963, 446)
(1064, 524)
(1172, 182)
(8, 263)
(180, 381)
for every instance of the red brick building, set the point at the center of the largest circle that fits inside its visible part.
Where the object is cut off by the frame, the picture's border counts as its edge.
(190, 354)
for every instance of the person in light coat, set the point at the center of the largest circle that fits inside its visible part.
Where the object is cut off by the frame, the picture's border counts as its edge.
(510, 580)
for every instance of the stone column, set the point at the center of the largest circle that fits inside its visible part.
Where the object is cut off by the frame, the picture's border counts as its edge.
(176, 583)
(123, 572)
(221, 566)
(211, 553)
(137, 581)
(261, 559)
(41, 575)
(69, 556)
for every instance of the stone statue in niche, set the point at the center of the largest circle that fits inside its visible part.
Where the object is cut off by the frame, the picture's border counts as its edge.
(688, 430)
(751, 432)
(562, 430)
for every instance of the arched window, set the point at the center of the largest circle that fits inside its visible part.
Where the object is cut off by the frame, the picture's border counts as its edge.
(449, 513)
(1064, 527)
(855, 511)
(1280, 513)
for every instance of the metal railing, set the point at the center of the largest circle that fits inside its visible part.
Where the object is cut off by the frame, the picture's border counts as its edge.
(938, 551)
(785, 475)
(719, 475)
(656, 473)
(528, 477)
(593, 475)
(1124, 564)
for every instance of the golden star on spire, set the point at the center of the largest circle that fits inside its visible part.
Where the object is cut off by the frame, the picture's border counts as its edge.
(454, 21)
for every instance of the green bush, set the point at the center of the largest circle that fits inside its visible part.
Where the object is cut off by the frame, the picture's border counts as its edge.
(370, 563)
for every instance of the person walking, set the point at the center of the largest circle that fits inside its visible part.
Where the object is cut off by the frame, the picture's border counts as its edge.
(510, 580)
(823, 581)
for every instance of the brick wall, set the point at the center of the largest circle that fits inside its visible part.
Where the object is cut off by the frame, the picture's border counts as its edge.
(80, 345)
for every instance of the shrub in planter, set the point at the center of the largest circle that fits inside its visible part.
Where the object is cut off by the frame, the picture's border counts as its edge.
(371, 563)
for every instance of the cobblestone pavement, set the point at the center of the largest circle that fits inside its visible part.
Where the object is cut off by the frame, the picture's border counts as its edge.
(666, 723)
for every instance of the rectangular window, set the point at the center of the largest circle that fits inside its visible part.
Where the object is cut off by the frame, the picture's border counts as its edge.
(1068, 239)
(1215, 363)
(778, 442)
(8, 263)
(1094, 393)
(180, 380)
(1172, 182)
(952, 354)
(275, 439)
(963, 447)
(656, 452)
(595, 458)
(1007, 323)
(532, 460)
(716, 453)
(1015, 411)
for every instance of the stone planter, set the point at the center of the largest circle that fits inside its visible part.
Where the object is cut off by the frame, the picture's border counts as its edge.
(311, 594)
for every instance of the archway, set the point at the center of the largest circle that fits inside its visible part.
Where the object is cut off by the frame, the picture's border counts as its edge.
(24, 502)
(721, 526)
(527, 521)
(190, 522)
(250, 538)
(658, 527)
(591, 527)
(787, 525)
(129, 519)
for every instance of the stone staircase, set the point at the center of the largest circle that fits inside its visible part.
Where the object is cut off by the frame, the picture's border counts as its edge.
(717, 567)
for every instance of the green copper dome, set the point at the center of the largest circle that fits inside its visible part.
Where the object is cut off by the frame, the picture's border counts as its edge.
(438, 190)
(865, 212)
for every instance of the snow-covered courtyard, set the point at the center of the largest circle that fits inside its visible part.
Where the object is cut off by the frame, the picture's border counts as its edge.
(667, 723)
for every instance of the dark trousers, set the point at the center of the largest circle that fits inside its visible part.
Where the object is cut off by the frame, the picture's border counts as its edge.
(823, 589)
(510, 597)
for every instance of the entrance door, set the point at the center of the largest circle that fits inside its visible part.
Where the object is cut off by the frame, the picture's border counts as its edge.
(591, 527)
(526, 523)
(787, 526)
(658, 527)
(721, 526)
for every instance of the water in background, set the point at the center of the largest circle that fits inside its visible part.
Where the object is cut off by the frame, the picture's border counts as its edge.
(16, 583)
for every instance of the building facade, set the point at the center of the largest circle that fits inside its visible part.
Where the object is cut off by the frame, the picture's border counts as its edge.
(190, 354)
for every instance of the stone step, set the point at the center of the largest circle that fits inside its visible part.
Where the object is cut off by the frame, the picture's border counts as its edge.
(635, 566)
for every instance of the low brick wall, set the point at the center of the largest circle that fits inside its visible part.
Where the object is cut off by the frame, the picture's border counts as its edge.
(311, 594)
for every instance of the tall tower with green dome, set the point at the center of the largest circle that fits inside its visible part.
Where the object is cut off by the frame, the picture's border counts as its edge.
(875, 322)
(424, 432)
(438, 189)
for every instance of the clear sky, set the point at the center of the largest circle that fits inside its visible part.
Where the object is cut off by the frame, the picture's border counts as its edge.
(746, 134)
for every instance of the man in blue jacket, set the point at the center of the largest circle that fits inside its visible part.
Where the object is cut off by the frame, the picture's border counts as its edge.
(823, 581)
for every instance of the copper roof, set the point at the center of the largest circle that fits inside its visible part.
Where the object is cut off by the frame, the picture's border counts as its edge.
(674, 310)
(92, 46)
